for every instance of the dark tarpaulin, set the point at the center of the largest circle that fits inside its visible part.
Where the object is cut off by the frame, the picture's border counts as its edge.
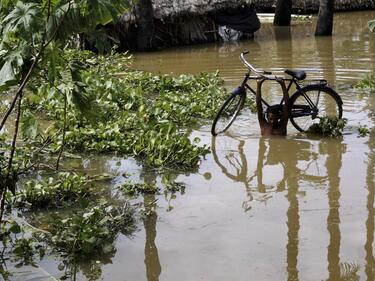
(245, 20)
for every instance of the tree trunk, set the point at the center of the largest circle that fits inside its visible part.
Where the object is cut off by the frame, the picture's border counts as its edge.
(145, 25)
(324, 26)
(283, 13)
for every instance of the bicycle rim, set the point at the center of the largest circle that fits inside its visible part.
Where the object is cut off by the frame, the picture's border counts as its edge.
(313, 103)
(227, 114)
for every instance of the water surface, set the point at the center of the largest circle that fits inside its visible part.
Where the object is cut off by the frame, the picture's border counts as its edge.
(280, 208)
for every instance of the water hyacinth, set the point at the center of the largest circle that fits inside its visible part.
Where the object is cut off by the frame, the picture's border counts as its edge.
(132, 113)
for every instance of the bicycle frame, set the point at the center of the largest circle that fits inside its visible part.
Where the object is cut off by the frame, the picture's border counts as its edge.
(291, 81)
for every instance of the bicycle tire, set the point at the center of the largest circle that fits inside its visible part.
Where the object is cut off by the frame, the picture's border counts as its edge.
(325, 99)
(228, 112)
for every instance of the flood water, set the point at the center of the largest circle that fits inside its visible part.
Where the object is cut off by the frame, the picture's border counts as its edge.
(279, 208)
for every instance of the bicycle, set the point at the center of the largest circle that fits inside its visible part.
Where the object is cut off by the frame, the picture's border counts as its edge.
(308, 104)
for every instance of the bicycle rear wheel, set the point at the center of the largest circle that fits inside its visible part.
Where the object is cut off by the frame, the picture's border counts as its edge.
(311, 103)
(228, 112)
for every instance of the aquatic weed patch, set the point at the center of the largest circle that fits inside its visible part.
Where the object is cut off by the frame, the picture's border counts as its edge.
(55, 191)
(20, 245)
(134, 113)
(367, 84)
(133, 188)
(328, 127)
(90, 231)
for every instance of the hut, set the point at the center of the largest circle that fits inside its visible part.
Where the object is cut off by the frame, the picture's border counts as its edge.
(153, 24)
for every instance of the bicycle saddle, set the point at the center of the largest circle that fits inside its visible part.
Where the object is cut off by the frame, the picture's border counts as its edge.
(298, 74)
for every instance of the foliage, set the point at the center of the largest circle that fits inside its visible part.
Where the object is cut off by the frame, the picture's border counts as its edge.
(132, 188)
(28, 28)
(371, 25)
(21, 245)
(134, 113)
(90, 231)
(367, 83)
(33, 37)
(53, 192)
(328, 127)
(363, 131)
(170, 186)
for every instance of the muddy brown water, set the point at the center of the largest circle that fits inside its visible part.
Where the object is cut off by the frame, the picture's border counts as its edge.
(291, 208)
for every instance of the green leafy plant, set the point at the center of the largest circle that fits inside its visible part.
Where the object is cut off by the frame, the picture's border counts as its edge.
(363, 131)
(131, 188)
(367, 83)
(90, 231)
(34, 35)
(135, 114)
(54, 192)
(171, 186)
(19, 244)
(328, 127)
(371, 25)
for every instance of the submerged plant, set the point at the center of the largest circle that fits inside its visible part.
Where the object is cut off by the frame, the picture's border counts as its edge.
(328, 127)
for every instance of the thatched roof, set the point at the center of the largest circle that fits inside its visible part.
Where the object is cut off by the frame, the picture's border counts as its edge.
(173, 8)
(165, 8)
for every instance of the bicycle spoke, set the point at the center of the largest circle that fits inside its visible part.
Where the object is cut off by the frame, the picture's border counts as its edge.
(310, 105)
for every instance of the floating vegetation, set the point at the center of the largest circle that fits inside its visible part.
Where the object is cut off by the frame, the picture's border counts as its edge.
(55, 191)
(90, 231)
(328, 127)
(367, 83)
(363, 131)
(19, 244)
(132, 188)
(133, 113)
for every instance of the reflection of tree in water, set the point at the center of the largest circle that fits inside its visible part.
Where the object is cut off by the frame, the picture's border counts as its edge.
(152, 263)
(370, 181)
(92, 269)
(153, 268)
(346, 270)
(289, 153)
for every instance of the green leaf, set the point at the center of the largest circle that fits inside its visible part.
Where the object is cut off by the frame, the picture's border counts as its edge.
(10, 69)
(371, 25)
(8, 76)
(22, 17)
(15, 228)
(84, 16)
(30, 126)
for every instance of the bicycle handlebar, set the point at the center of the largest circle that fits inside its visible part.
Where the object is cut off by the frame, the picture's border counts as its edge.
(252, 68)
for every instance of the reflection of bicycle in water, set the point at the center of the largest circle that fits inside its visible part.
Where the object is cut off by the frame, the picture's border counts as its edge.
(297, 159)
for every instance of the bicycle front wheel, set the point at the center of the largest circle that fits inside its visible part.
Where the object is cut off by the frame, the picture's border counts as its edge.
(311, 103)
(228, 113)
